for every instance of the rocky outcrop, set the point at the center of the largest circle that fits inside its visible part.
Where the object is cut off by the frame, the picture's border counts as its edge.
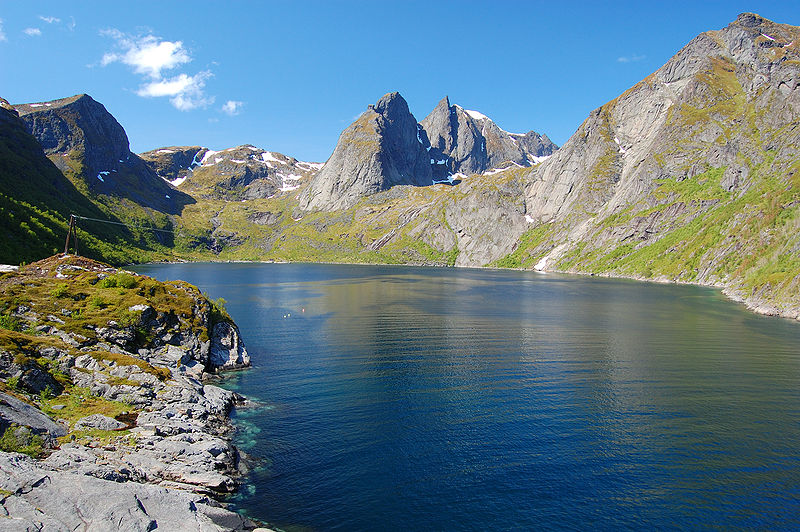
(14, 411)
(382, 148)
(468, 142)
(176, 426)
(87, 143)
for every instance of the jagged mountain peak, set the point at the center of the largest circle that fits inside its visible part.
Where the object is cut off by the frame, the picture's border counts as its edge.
(382, 148)
(391, 103)
(470, 142)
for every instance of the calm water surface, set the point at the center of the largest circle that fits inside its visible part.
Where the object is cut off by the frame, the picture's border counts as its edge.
(398, 398)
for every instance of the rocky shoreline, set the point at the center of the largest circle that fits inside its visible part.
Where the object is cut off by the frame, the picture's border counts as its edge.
(126, 429)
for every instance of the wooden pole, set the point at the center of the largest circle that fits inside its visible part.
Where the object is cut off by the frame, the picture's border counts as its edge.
(69, 232)
(75, 236)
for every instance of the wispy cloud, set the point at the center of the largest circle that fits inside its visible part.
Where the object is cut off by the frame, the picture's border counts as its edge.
(148, 55)
(49, 20)
(152, 57)
(634, 58)
(71, 24)
(32, 32)
(2, 32)
(185, 92)
(232, 107)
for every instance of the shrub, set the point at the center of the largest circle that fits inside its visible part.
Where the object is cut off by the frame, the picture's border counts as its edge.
(15, 440)
(9, 323)
(60, 290)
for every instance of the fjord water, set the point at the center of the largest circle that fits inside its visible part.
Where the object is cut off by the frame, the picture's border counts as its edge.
(398, 398)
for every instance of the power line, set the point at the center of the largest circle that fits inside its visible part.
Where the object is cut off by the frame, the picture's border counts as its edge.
(143, 227)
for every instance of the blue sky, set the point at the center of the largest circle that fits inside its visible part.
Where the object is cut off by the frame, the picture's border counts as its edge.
(289, 76)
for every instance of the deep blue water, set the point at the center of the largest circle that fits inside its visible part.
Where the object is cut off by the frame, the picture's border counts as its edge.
(398, 398)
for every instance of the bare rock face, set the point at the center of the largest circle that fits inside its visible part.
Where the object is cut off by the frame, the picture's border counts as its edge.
(382, 148)
(43, 499)
(88, 144)
(227, 349)
(469, 142)
(16, 412)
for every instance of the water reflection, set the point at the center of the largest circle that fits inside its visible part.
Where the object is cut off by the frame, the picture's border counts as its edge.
(437, 398)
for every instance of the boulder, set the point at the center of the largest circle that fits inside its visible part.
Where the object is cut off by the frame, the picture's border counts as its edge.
(17, 412)
(99, 421)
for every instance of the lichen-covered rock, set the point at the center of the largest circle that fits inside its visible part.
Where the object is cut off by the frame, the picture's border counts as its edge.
(17, 412)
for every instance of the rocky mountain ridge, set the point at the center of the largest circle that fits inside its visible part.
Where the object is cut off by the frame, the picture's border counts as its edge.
(241, 172)
(691, 175)
(471, 143)
(386, 147)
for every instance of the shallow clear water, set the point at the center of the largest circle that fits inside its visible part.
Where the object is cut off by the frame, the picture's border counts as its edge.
(398, 398)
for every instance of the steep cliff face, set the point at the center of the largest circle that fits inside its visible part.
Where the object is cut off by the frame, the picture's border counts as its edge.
(90, 147)
(383, 148)
(691, 175)
(468, 142)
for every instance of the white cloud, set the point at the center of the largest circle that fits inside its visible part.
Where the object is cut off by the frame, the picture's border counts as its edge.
(2, 33)
(32, 32)
(49, 20)
(186, 92)
(232, 107)
(148, 55)
(631, 58)
(71, 24)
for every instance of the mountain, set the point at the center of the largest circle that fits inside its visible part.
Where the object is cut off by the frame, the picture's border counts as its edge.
(386, 146)
(691, 175)
(468, 142)
(174, 163)
(36, 201)
(90, 147)
(242, 172)
(382, 148)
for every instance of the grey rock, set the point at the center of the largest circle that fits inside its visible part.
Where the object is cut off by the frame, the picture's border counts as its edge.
(99, 421)
(382, 148)
(14, 411)
(227, 349)
(79, 126)
(56, 500)
(468, 142)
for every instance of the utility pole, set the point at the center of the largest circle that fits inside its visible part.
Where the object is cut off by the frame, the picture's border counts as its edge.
(71, 232)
